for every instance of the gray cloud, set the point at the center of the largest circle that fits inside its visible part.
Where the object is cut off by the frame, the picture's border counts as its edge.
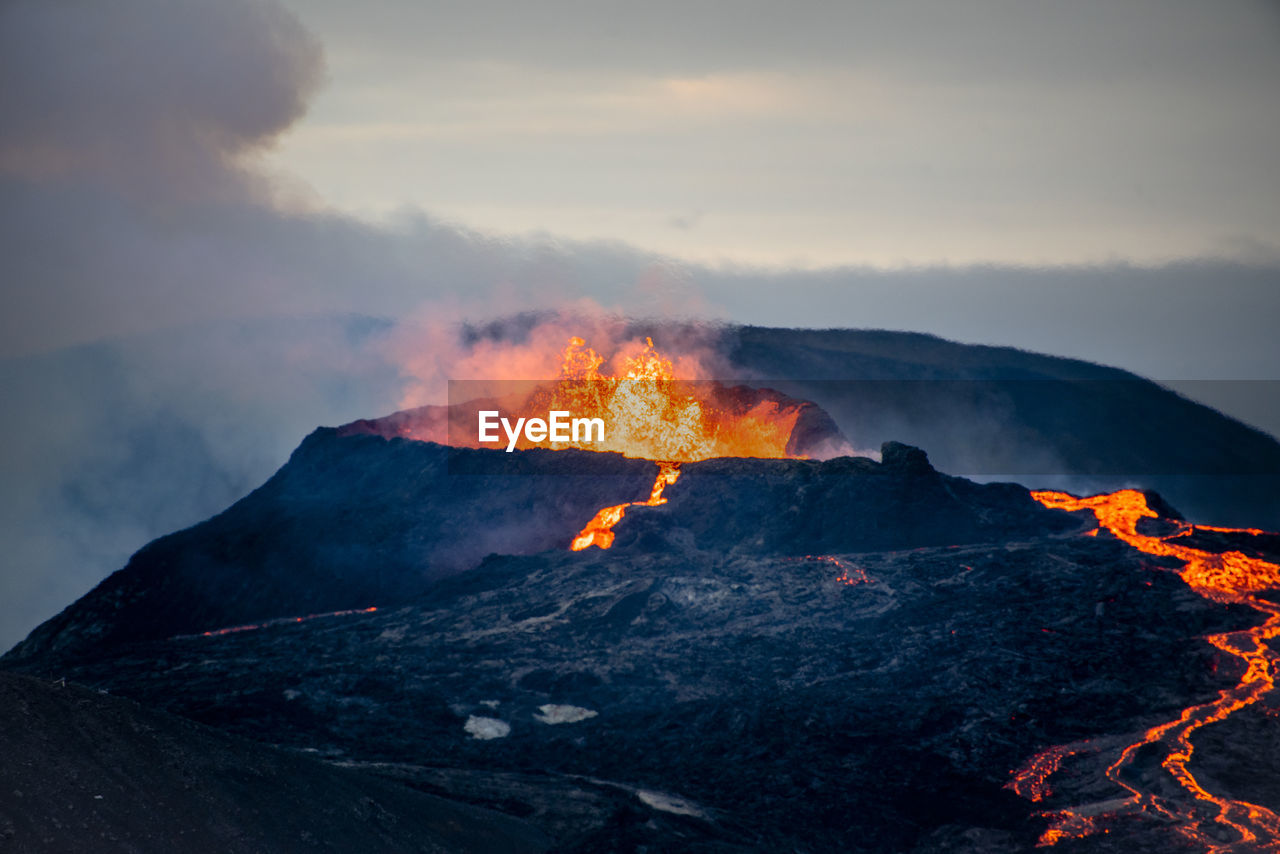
(815, 132)
(152, 96)
(1087, 40)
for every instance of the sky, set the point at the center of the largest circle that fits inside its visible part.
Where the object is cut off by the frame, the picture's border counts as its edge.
(812, 133)
(221, 222)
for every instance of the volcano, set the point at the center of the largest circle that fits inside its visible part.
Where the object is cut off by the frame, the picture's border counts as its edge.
(768, 653)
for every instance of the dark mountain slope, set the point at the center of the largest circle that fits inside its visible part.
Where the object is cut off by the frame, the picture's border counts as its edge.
(348, 522)
(87, 772)
(1040, 420)
(984, 411)
(357, 521)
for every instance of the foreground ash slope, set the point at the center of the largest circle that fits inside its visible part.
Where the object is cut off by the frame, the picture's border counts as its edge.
(746, 696)
(86, 772)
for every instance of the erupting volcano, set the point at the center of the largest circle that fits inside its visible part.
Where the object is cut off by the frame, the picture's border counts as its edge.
(648, 410)
(786, 646)
(648, 413)
(1228, 577)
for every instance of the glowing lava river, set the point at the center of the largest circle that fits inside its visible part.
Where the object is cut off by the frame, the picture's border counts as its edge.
(1217, 823)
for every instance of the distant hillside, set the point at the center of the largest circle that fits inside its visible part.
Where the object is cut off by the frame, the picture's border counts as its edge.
(992, 412)
(1041, 420)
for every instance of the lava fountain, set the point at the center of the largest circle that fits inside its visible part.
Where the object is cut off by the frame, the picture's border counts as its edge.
(647, 411)
(1218, 823)
(650, 414)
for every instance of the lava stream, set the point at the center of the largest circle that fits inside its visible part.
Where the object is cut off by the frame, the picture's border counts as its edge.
(599, 531)
(1230, 577)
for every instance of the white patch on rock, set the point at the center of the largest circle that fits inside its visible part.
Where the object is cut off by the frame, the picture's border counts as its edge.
(486, 728)
(552, 713)
(668, 803)
(493, 704)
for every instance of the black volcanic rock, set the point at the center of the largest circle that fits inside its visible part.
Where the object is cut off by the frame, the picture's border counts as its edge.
(687, 700)
(905, 459)
(357, 521)
(1042, 420)
(87, 772)
(348, 522)
(792, 655)
(797, 507)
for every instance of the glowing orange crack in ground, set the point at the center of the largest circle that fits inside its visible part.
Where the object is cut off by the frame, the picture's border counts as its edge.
(599, 531)
(649, 414)
(848, 576)
(1230, 577)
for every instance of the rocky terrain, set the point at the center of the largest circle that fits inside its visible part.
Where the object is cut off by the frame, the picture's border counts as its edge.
(348, 522)
(88, 772)
(788, 655)
(355, 520)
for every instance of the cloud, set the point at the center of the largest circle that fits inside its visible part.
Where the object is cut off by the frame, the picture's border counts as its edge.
(817, 132)
(154, 98)
(984, 40)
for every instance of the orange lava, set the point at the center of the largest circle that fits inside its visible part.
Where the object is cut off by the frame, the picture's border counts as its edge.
(650, 414)
(599, 531)
(849, 575)
(1229, 577)
(1031, 781)
(648, 411)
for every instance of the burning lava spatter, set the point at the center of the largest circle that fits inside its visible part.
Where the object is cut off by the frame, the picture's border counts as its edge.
(277, 621)
(649, 414)
(849, 575)
(1229, 577)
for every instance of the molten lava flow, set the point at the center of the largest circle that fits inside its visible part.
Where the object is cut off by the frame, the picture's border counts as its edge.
(650, 414)
(599, 531)
(848, 576)
(1230, 577)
